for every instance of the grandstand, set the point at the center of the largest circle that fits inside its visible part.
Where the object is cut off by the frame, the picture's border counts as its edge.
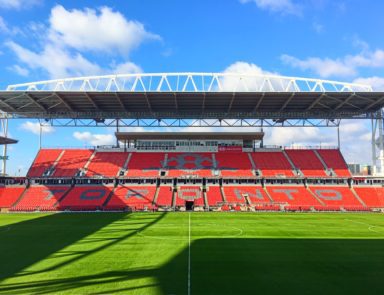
(191, 171)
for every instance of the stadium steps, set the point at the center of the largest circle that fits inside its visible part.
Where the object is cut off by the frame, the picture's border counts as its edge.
(223, 195)
(215, 171)
(89, 160)
(358, 197)
(173, 198)
(154, 202)
(52, 169)
(20, 197)
(268, 195)
(294, 168)
(206, 204)
(314, 195)
(57, 204)
(109, 197)
(125, 166)
(254, 168)
(328, 170)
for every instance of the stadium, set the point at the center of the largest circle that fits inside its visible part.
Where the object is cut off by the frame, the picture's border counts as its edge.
(191, 212)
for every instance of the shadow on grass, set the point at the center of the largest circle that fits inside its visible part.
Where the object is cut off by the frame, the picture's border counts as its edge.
(244, 266)
(31, 241)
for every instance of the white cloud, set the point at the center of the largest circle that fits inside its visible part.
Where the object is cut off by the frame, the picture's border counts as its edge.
(229, 83)
(346, 66)
(319, 28)
(18, 4)
(71, 33)
(279, 6)
(19, 70)
(94, 139)
(34, 127)
(3, 25)
(377, 83)
(104, 30)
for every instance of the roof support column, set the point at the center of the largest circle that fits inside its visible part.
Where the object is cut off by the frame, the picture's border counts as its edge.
(377, 142)
(4, 123)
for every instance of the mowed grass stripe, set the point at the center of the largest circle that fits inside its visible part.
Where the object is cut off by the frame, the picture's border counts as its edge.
(231, 253)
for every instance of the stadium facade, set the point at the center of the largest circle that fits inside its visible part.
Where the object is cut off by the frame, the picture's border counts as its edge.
(193, 171)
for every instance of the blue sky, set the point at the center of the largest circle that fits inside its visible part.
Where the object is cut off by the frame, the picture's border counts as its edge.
(339, 40)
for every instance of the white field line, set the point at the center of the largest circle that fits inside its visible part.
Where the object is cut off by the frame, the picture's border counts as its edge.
(370, 226)
(189, 254)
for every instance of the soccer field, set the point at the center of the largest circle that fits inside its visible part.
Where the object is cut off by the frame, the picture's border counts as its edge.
(192, 253)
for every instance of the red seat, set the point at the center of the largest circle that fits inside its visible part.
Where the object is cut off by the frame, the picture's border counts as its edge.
(292, 195)
(334, 159)
(234, 164)
(9, 195)
(145, 164)
(307, 162)
(214, 196)
(71, 162)
(237, 194)
(184, 164)
(86, 197)
(272, 164)
(44, 160)
(41, 197)
(107, 164)
(373, 197)
(335, 196)
(164, 197)
(132, 196)
(189, 193)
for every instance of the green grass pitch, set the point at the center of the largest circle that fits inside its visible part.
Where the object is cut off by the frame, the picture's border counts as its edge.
(191, 253)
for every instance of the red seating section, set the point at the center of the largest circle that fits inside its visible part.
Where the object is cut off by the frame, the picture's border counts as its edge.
(237, 194)
(273, 164)
(9, 195)
(234, 164)
(145, 164)
(86, 197)
(373, 197)
(183, 164)
(214, 196)
(164, 197)
(107, 164)
(189, 193)
(335, 196)
(41, 197)
(292, 195)
(232, 197)
(71, 162)
(136, 197)
(334, 159)
(307, 162)
(44, 160)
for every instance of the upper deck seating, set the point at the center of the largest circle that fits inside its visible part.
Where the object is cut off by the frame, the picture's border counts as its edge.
(273, 164)
(254, 194)
(335, 196)
(292, 195)
(106, 164)
(334, 159)
(373, 197)
(214, 196)
(9, 195)
(44, 160)
(189, 193)
(164, 197)
(183, 164)
(90, 197)
(145, 164)
(71, 162)
(136, 197)
(234, 164)
(41, 197)
(307, 162)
